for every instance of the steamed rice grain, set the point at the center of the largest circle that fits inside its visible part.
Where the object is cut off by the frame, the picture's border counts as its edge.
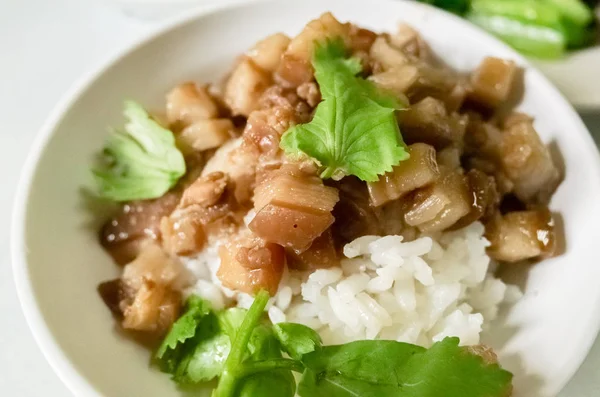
(417, 292)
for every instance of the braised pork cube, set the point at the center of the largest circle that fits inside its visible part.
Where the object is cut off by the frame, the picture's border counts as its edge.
(207, 190)
(449, 157)
(419, 80)
(182, 233)
(154, 309)
(153, 284)
(386, 57)
(136, 222)
(428, 121)
(320, 255)
(266, 126)
(410, 42)
(292, 209)
(485, 198)
(295, 67)
(441, 205)
(250, 265)
(204, 135)
(239, 161)
(360, 40)
(266, 54)
(354, 214)
(391, 220)
(244, 88)
(493, 81)
(188, 103)
(310, 93)
(482, 139)
(210, 202)
(419, 170)
(527, 161)
(521, 235)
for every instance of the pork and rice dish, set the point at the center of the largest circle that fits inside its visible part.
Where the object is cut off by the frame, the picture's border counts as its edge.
(336, 208)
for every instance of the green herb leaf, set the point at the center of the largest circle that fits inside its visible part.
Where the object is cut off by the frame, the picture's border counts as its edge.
(354, 130)
(171, 350)
(297, 339)
(277, 383)
(206, 355)
(387, 368)
(373, 361)
(230, 320)
(141, 161)
(449, 370)
(228, 382)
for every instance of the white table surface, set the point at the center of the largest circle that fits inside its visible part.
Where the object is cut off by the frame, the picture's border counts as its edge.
(46, 46)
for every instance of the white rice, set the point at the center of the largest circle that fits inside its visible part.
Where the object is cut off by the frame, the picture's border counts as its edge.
(417, 292)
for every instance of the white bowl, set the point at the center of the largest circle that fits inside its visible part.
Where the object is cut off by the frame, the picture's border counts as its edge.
(58, 262)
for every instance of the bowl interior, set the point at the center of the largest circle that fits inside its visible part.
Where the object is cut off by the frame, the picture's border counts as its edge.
(59, 262)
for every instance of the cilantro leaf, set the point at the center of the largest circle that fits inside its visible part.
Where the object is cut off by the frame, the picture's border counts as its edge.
(172, 347)
(297, 339)
(354, 130)
(141, 160)
(276, 383)
(230, 320)
(205, 359)
(388, 368)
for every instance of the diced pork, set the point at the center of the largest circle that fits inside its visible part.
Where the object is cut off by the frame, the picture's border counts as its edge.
(244, 88)
(188, 103)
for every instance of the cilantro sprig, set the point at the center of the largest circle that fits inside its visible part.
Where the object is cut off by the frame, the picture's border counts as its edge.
(140, 161)
(245, 352)
(354, 130)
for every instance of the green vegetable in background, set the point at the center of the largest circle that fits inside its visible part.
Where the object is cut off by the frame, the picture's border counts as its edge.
(140, 160)
(455, 6)
(354, 130)
(540, 28)
(535, 40)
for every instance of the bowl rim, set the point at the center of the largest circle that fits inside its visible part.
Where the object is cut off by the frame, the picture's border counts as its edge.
(59, 362)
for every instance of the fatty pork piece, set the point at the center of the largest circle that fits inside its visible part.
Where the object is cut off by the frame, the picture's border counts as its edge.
(249, 264)
(245, 86)
(484, 198)
(193, 114)
(419, 170)
(440, 205)
(527, 161)
(187, 104)
(136, 222)
(321, 254)
(148, 294)
(295, 68)
(417, 81)
(428, 121)
(292, 208)
(207, 208)
(238, 160)
(492, 82)
(354, 214)
(267, 53)
(265, 127)
(521, 235)
(386, 57)
(410, 42)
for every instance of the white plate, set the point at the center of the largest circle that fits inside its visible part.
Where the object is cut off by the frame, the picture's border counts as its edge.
(58, 261)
